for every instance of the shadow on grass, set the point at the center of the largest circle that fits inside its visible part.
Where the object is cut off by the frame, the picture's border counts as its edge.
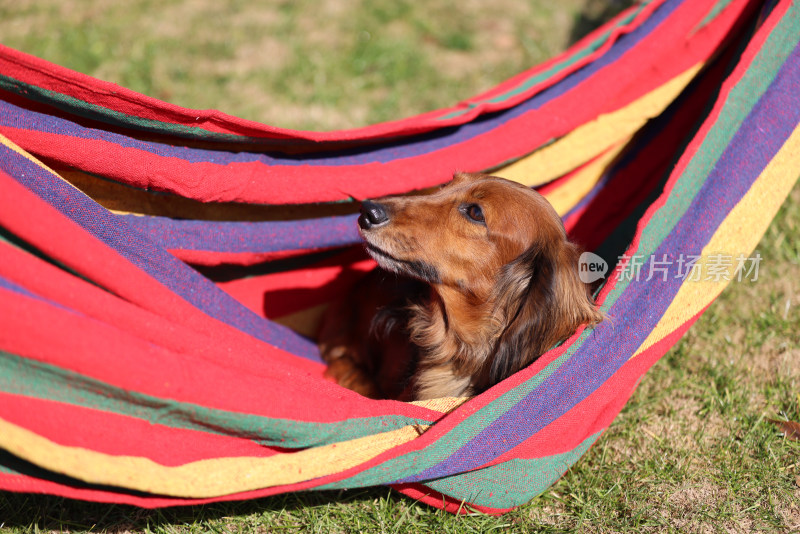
(594, 14)
(50, 513)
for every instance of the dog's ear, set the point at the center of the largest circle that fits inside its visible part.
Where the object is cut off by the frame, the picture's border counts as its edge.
(540, 301)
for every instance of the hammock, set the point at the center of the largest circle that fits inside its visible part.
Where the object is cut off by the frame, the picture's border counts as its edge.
(154, 257)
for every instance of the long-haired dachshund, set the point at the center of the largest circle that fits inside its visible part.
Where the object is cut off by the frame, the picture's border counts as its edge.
(484, 281)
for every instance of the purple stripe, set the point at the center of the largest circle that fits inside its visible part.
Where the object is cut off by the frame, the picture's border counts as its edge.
(16, 288)
(16, 117)
(145, 254)
(253, 237)
(771, 121)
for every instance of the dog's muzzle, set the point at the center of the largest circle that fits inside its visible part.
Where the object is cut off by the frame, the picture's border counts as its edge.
(372, 214)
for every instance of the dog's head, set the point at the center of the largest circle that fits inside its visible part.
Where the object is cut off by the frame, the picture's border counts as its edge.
(496, 253)
(461, 235)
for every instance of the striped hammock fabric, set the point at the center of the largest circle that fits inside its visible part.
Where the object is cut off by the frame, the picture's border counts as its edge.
(163, 269)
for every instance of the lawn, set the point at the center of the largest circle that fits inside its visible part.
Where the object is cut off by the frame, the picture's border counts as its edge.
(693, 450)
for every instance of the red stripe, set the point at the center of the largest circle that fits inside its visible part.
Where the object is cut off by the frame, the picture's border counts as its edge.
(251, 182)
(72, 292)
(38, 72)
(424, 435)
(444, 502)
(110, 433)
(209, 258)
(280, 294)
(254, 182)
(216, 376)
(59, 237)
(477, 105)
(568, 436)
(632, 184)
(753, 48)
(596, 412)
(160, 344)
(30, 484)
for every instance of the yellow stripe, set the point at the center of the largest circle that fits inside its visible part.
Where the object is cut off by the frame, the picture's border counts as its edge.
(592, 138)
(200, 479)
(566, 196)
(739, 233)
(443, 404)
(204, 478)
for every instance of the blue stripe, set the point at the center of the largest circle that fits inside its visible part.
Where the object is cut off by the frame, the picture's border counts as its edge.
(253, 237)
(17, 117)
(771, 121)
(148, 256)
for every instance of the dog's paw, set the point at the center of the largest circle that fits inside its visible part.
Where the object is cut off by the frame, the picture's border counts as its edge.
(347, 373)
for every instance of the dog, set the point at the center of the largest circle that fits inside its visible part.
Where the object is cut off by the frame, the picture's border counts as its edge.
(475, 281)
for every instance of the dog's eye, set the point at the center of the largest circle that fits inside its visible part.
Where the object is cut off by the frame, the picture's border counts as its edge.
(474, 212)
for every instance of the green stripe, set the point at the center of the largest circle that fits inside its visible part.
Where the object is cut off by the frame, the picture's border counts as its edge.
(117, 118)
(512, 483)
(5, 470)
(718, 8)
(412, 463)
(22, 376)
(749, 89)
(552, 71)
(109, 116)
(741, 100)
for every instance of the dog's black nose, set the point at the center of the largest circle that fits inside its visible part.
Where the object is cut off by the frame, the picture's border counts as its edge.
(372, 214)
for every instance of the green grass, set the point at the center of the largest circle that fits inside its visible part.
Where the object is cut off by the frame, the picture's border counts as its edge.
(303, 64)
(691, 452)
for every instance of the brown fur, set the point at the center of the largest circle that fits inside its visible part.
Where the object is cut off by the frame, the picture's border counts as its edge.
(475, 301)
